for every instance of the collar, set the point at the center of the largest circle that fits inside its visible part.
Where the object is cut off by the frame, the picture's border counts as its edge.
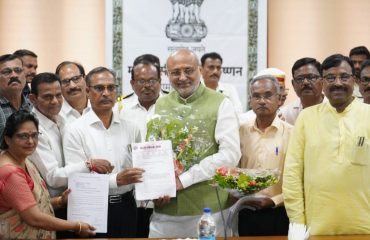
(24, 101)
(275, 125)
(67, 108)
(46, 122)
(354, 102)
(92, 118)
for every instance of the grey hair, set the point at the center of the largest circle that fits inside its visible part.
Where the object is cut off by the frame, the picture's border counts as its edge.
(263, 77)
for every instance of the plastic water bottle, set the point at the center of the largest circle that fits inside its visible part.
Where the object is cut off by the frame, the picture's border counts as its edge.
(206, 226)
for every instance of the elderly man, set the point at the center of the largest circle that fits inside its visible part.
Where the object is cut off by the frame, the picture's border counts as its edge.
(72, 75)
(364, 81)
(218, 126)
(12, 82)
(358, 55)
(327, 171)
(307, 84)
(29, 60)
(211, 71)
(263, 144)
(280, 76)
(101, 134)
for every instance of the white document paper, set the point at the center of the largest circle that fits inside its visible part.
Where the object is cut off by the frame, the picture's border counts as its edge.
(88, 200)
(156, 158)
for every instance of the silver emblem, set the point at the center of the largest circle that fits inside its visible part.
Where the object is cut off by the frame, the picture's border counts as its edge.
(185, 24)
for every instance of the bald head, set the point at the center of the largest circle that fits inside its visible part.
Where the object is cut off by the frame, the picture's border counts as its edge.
(183, 72)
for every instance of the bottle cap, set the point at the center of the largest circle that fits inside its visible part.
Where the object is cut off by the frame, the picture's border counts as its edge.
(207, 210)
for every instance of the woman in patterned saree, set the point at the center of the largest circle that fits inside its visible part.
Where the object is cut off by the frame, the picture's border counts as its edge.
(25, 203)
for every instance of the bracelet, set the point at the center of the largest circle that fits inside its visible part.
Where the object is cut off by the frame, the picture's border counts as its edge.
(93, 168)
(80, 227)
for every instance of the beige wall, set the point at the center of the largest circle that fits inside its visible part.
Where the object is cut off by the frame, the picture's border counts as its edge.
(314, 28)
(56, 30)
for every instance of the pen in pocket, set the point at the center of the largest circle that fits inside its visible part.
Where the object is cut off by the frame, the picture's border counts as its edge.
(361, 141)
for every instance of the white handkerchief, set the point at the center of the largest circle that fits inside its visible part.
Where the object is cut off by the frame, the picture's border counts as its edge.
(298, 232)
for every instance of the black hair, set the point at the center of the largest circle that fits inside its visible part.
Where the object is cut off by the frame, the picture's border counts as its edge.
(334, 61)
(43, 78)
(99, 70)
(306, 61)
(360, 50)
(211, 55)
(62, 64)
(147, 59)
(14, 121)
(9, 57)
(25, 52)
(365, 64)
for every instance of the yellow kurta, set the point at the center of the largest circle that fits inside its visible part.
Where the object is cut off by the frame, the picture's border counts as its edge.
(327, 172)
(265, 150)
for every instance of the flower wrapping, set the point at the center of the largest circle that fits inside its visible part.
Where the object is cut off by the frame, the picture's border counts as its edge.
(240, 182)
(190, 141)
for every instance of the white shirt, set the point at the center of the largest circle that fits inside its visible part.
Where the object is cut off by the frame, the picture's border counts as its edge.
(70, 114)
(291, 111)
(87, 138)
(133, 111)
(230, 92)
(48, 156)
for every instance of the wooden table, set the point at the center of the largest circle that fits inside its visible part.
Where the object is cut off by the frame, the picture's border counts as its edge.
(343, 237)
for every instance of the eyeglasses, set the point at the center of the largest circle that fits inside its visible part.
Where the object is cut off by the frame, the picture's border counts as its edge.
(26, 136)
(101, 88)
(267, 96)
(344, 77)
(7, 71)
(365, 81)
(309, 77)
(75, 79)
(177, 72)
(150, 82)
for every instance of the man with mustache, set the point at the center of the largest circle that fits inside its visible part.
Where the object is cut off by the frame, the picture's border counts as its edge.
(358, 55)
(29, 60)
(211, 71)
(146, 83)
(12, 82)
(327, 167)
(263, 144)
(139, 107)
(72, 75)
(364, 81)
(102, 134)
(307, 84)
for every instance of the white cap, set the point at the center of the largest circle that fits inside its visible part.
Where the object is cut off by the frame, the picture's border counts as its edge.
(277, 73)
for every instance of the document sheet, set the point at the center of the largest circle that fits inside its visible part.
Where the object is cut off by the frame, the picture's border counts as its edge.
(156, 158)
(88, 200)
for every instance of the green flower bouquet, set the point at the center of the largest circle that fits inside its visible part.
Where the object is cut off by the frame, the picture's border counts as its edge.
(189, 141)
(240, 182)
